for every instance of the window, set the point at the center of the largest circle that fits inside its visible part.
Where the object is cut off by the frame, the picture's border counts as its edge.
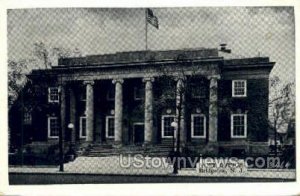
(53, 127)
(110, 127)
(138, 93)
(53, 94)
(27, 118)
(167, 129)
(83, 95)
(198, 92)
(198, 125)
(239, 125)
(82, 127)
(239, 88)
(111, 94)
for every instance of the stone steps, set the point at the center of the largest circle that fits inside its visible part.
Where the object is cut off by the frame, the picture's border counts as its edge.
(108, 150)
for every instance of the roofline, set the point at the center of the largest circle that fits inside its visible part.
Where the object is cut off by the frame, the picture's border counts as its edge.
(124, 64)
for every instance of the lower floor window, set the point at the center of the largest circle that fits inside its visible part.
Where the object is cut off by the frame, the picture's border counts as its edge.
(167, 129)
(53, 127)
(198, 125)
(239, 125)
(110, 127)
(82, 127)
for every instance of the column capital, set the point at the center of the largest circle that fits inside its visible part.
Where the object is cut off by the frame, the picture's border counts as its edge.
(148, 79)
(217, 77)
(180, 78)
(91, 82)
(118, 80)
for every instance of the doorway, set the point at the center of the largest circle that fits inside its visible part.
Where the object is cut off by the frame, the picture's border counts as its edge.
(138, 133)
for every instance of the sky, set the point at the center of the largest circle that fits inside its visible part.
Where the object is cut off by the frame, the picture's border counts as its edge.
(248, 32)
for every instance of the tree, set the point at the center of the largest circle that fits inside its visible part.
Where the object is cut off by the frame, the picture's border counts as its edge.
(176, 82)
(282, 106)
(17, 71)
(47, 55)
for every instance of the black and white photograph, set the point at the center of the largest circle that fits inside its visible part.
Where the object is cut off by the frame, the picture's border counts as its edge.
(135, 95)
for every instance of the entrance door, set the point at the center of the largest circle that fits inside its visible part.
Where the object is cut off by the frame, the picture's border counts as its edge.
(138, 133)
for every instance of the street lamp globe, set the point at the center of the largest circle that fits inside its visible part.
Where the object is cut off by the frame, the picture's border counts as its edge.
(174, 124)
(70, 125)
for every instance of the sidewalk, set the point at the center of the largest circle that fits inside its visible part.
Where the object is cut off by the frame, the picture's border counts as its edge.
(112, 166)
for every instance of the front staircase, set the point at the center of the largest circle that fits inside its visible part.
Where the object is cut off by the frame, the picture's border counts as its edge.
(105, 150)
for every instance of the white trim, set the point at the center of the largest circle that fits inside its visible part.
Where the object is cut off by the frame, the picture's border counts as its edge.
(163, 127)
(204, 125)
(245, 88)
(49, 128)
(245, 126)
(80, 127)
(106, 126)
(49, 95)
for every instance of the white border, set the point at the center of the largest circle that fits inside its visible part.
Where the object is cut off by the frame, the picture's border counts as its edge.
(192, 126)
(106, 127)
(163, 127)
(245, 88)
(245, 126)
(274, 188)
(49, 128)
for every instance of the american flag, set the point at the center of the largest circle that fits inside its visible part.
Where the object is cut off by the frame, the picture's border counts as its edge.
(151, 18)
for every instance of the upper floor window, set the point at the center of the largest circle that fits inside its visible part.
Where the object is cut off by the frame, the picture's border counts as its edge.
(53, 94)
(82, 126)
(138, 93)
(53, 127)
(198, 125)
(83, 95)
(239, 88)
(110, 127)
(167, 129)
(110, 94)
(27, 118)
(238, 125)
(198, 92)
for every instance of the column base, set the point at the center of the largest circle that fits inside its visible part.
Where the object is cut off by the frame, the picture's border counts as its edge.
(117, 144)
(212, 148)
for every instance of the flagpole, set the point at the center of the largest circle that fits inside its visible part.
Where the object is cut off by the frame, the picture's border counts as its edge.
(146, 28)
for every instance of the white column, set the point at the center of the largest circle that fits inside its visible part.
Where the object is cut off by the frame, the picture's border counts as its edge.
(148, 134)
(213, 108)
(180, 94)
(89, 110)
(73, 115)
(118, 110)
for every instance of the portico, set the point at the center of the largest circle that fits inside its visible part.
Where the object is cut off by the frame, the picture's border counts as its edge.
(113, 120)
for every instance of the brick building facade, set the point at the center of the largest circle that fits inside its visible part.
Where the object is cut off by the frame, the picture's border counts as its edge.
(125, 99)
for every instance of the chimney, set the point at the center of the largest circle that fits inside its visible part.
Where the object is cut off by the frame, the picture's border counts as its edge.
(223, 48)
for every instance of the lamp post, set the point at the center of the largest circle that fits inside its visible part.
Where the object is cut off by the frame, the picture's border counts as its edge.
(174, 125)
(71, 129)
